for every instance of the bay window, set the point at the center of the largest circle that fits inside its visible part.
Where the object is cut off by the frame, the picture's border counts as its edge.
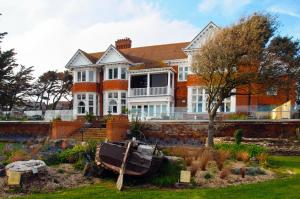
(85, 76)
(86, 102)
(113, 73)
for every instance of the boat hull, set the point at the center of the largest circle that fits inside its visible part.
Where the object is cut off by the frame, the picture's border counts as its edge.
(110, 156)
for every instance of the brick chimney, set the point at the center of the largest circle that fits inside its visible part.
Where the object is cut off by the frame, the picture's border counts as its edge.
(123, 43)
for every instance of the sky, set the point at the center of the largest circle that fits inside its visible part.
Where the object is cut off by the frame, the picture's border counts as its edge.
(46, 33)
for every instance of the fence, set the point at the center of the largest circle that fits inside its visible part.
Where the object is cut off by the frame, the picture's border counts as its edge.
(241, 113)
(65, 115)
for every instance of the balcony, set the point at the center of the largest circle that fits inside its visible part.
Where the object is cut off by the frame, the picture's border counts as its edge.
(152, 91)
(151, 84)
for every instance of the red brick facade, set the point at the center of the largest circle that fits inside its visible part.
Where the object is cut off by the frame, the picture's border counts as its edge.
(115, 85)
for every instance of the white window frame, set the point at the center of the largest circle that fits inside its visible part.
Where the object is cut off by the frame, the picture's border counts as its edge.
(79, 76)
(87, 98)
(114, 73)
(182, 73)
(199, 95)
(123, 72)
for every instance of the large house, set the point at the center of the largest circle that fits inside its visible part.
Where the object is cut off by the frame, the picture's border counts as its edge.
(151, 81)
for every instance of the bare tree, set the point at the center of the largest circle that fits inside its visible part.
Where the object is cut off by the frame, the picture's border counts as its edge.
(230, 59)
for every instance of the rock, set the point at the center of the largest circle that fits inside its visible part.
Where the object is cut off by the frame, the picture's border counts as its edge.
(31, 166)
(251, 171)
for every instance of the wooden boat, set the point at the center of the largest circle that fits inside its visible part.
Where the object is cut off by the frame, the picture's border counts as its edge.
(142, 159)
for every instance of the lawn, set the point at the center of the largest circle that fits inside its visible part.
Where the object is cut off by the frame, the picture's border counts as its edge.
(288, 187)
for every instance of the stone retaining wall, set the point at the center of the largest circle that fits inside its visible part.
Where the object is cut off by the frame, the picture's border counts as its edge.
(194, 132)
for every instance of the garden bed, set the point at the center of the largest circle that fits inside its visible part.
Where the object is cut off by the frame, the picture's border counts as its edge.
(219, 167)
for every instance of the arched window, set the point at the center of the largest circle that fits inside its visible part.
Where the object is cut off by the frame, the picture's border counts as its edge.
(113, 106)
(81, 107)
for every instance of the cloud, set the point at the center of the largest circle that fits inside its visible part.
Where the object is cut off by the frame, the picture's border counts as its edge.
(284, 11)
(46, 34)
(225, 6)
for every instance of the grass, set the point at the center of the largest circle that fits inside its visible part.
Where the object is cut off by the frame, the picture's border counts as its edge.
(1, 145)
(288, 188)
(14, 145)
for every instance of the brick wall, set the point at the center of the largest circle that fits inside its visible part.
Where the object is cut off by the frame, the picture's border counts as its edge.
(63, 129)
(24, 129)
(116, 127)
(194, 132)
(115, 85)
(86, 87)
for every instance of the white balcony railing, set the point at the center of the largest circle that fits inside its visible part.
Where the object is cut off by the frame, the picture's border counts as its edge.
(153, 91)
(138, 91)
(158, 90)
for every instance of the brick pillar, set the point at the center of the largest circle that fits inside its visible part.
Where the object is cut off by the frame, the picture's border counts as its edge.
(116, 128)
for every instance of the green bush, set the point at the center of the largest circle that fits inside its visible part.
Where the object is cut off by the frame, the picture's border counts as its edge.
(53, 159)
(80, 163)
(72, 155)
(136, 128)
(89, 117)
(252, 149)
(168, 174)
(90, 149)
(238, 136)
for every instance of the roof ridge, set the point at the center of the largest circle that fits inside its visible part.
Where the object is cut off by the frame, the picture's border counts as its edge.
(158, 45)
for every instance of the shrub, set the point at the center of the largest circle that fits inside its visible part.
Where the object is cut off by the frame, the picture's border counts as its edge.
(220, 156)
(72, 155)
(136, 128)
(238, 135)
(168, 174)
(242, 156)
(58, 118)
(262, 158)
(80, 163)
(204, 158)
(195, 166)
(19, 155)
(89, 117)
(188, 161)
(207, 175)
(90, 149)
(224, 173)
(52, 159)
(252, 149)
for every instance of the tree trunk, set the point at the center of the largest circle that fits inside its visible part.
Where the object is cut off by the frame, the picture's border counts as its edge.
(211, 131)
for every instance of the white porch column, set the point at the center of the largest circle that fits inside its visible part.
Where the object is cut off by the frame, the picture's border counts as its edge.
(169, 83)
(129, 85)
(148, 83)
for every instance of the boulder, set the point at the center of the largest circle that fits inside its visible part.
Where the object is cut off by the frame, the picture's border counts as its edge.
(27, 167)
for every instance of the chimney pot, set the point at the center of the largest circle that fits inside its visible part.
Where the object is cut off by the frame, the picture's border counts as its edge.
(123, 43)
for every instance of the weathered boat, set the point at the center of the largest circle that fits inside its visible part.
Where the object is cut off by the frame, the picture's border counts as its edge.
(142, 159)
